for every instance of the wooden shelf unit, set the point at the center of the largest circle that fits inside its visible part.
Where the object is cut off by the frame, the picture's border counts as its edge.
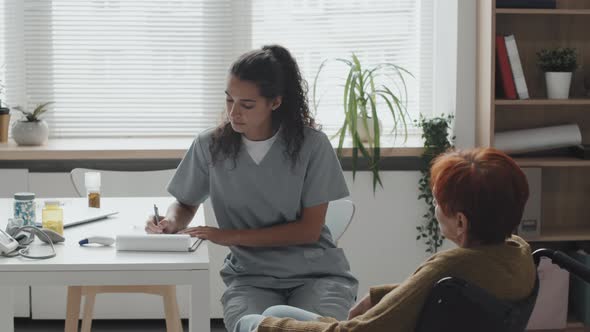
(534, 29)
(565, 183)
(560, 235)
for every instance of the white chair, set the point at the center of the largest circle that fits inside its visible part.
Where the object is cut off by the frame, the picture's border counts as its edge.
(338, 217)
(121, 184)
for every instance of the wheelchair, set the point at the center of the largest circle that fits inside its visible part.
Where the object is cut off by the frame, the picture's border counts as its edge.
(456, 305)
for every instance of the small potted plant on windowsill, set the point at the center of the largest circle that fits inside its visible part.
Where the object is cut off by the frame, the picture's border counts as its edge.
(31, 130)
(365, 89)
(558, 65)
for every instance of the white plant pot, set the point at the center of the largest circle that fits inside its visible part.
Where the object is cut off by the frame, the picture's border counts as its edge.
(30, 133)
(558, 84)
(364, 134)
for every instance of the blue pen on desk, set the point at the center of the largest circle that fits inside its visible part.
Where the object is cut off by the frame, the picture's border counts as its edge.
(156, 216)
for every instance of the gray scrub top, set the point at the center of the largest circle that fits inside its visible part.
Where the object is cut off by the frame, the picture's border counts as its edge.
(245, 195)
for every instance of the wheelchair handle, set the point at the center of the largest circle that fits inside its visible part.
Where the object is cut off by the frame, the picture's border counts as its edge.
(563, 261)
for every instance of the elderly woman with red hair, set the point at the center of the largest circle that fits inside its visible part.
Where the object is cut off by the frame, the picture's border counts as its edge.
(480, 196)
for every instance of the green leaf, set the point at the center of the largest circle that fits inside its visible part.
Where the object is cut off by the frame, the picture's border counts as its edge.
(40, 109)
(316, 102)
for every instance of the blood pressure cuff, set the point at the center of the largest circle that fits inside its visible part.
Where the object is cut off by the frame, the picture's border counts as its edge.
(13, 229)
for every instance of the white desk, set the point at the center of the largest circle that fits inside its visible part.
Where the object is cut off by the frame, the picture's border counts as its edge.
(80, 265)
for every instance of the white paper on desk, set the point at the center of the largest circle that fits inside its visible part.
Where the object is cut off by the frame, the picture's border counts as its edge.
(527, 140)
(153, 242)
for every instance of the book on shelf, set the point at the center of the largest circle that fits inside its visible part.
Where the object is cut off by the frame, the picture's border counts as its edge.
(516, 66)
(504, 73)
(539, 4)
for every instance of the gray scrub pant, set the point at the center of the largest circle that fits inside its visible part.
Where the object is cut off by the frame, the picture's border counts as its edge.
(324, 296)
(250, 323)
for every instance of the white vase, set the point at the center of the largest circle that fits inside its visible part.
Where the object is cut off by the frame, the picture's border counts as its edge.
(30, 133)
(364, 134)
(558, 84)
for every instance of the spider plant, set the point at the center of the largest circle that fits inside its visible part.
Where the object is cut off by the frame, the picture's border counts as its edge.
(36, 113)
(365, 89)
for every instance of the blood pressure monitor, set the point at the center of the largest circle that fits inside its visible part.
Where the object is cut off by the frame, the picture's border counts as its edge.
(7, 243)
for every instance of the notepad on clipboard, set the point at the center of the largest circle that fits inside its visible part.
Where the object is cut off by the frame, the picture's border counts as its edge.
(157, 242)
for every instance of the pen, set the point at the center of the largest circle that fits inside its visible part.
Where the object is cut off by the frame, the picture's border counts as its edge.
(156, 216)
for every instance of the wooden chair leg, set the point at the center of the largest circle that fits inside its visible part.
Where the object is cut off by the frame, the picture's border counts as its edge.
(173, 323)
(89, 298)
(73, 308)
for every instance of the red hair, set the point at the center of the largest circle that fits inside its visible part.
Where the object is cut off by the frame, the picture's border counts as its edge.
(484, 184)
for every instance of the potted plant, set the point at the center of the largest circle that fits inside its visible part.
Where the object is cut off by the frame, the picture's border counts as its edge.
(558, 65)
(435, 132)
(366, 89)
(31, 130)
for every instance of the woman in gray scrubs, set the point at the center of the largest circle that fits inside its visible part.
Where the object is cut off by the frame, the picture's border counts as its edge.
(270, 175)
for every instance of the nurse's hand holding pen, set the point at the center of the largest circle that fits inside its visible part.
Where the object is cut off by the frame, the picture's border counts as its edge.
(177, 217)
(163, 226)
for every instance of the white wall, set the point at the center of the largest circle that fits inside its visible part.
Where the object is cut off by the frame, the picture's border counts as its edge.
(381, 241)
(51, 185)
(466, 78)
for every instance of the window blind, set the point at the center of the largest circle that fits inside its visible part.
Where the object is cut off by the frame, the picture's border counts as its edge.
(124, 68)
(377, 31)
(144, 68)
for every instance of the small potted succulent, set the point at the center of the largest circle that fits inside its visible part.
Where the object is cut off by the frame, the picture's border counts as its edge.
(31, 130)
(558, 65)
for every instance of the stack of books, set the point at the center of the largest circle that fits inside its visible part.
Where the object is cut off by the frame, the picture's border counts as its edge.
(510, 80)
(509, 74)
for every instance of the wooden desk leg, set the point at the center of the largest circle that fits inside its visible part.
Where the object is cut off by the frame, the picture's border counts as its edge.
(199, 315)
(89, 299)
(173, 323)
(73, 308)
(6, 309)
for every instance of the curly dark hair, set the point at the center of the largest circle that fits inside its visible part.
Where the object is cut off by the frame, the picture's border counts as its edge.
(276, 73)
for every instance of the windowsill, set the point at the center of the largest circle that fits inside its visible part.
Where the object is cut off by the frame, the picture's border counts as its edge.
(142, 148)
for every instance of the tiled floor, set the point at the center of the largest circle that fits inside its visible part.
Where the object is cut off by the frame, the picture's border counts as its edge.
(29, 325)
